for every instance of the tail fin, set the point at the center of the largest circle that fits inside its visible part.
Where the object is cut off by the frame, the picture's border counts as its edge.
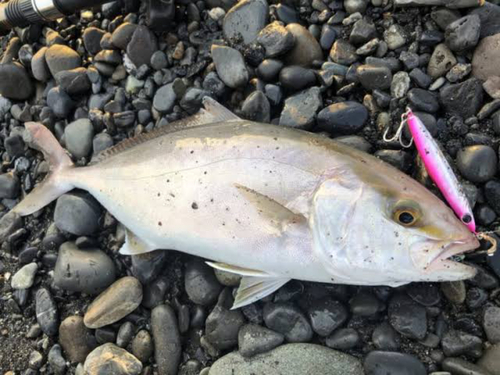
(40, 138)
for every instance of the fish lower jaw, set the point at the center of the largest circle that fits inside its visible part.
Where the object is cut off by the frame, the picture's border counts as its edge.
(444, 259)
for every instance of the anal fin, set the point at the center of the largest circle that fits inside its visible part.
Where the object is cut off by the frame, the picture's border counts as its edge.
(134, 245)
(238, 270)
(253, 289)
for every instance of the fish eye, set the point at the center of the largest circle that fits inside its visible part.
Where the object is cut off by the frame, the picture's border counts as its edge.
(407, 213)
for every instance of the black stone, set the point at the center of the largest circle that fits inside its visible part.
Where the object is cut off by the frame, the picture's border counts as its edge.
(457, 343)
(296, 78)
(326, 315)
(15, 82)
(46, 312)
(384, 363)
(463, 99)
(343, 339)
(343, 118)
(477, 163)
(201, 284)
(408, 317)
(287, 319)
(423, 100)
(384, 337)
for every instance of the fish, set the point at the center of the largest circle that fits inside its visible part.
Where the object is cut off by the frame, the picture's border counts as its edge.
(266, 202)
(440, 170)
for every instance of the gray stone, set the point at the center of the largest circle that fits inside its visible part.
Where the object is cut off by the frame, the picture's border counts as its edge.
(254, 339)
(113, 360)
(491, 324)
(123, 35)
(60, 103)
(201, 284)
(485, 55)
(400, 84)
(443, 17)
(76, 340)
(290, 359)
(288, 320)
(343, 339)
(87, 271)
(463, 34)
(142, 346)
(35, 360)
(442, 60)
(56, 360)
(477, 163)
(490, 18)
(164, 99)
(460, 366)
(300, 109)
(454, 291)
(246, 19)
(74, 82)
(395, 37)
(39, 66)
(382, 363)
(456, 343)
(60, 57)
(25, 277)
(407, 317)
(167, 341)
(362, 32)
(343, 118)
(374, 77)
(9, 186)
(101, 142)
(354, 6)
(77, 213)
(275, 39)
(230, 66)
(306, 48)
(458, 72)
(92, 37)
(46, 312)
(343, 52)
(490, 361)
(463, 99)
(15, 82)
(492, 87)
(142, 46)
(256, 107)
(116, 302)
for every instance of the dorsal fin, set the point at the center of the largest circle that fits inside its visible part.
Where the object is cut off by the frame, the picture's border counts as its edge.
(213, 113)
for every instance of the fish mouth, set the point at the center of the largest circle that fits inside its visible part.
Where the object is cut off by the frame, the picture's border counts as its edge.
(443, 259)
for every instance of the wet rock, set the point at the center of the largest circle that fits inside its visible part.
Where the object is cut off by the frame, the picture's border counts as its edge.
(142, 46)
(60, 57)
(326, 315)
(374, 77)
(269, 69)
(78, 137)
(407, 317)
(343, 52)
(460, 366)
(254, 339)
(456, 343)
(464, 99)
(74, 82)
(343, 339)
(477, 163)
(423, 100)
(15, 82)
(125, 334)
(246, 19)
(296, 78)
(147, 267)
(76, 340)
(288, 320)
(362, 32)
(122, 36)
(491, 324)
(39, 66)
(384, 337)
(442, 60)
(87, 271)
(230, 66)
(116, 302)
(46, 312)
(382, 363)
(167, 342)
(395, 37)
(111, 359)
(25, 277)
(343, 118)
(489, 14)
(306, 48)
(56, 360)
(77, 213)
(142, 346)
(92, 37)
(201, 284)
(256, 107)
(300, 109)
(490, 361)
(487, 51)
(164, 98)
(463, 34)
(291, 359)
(60, 103)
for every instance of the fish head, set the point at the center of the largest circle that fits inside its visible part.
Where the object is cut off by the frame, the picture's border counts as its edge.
(385, 228)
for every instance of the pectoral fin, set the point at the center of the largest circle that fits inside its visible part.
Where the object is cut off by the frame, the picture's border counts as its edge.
(253, 289)
(275, 214)
(134, 245)
(238, 270)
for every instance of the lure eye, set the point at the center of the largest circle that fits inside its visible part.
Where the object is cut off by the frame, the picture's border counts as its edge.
(466, 218)
(406, 218)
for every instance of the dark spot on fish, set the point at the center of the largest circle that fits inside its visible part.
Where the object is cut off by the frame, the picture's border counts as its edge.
(211, 200)
(159, 223)
(194, 206)
(192, 152)
(227, 208)
(205, 172)
(172, 195)
(168, 181)
(159, 194)
(275, 138)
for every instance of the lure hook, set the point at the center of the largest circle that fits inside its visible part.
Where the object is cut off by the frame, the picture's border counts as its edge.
(484, 236)
(398, 136)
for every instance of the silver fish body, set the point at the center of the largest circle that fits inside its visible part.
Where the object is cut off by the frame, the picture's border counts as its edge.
(273, 204)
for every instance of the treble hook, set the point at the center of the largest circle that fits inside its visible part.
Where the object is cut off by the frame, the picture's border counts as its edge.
(398, 136)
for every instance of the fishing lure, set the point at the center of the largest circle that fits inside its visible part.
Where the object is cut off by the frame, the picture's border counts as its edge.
(439, 170)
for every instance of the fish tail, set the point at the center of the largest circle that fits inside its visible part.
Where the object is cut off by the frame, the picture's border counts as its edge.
(56, 183)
